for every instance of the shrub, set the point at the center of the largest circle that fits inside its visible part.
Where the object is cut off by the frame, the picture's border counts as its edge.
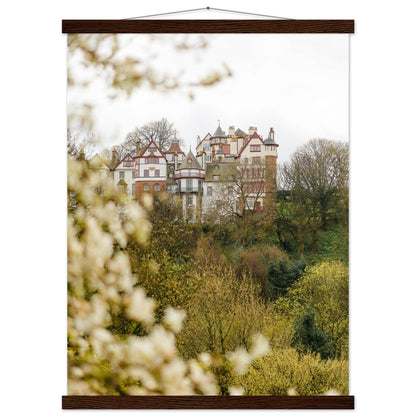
(285, 370)
(323, 287)
(282, 275)
(255, 263)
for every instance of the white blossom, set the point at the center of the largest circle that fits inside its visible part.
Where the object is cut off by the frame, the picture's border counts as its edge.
(174, 318)
(141, 307)
(236, 391)
(260, 346)
(240, 359)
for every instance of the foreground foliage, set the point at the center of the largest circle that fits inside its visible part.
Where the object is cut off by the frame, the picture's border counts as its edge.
(102, 292)
(285, 370)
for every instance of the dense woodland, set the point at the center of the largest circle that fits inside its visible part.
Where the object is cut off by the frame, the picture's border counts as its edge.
(282, 272)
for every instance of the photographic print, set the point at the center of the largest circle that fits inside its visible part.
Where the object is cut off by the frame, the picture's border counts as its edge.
(208, 183)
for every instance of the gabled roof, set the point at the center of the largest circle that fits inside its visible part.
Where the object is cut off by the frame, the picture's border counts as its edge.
(253, 136)
(219, 132)
(128, 156)
(191, 164)
(99, 162)
(142, 152)
(207, 137)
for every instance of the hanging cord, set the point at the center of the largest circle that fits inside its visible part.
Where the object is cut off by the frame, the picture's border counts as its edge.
(208, 9)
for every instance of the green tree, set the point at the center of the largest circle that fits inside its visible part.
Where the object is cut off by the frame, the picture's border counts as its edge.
(308, 337)
(323, 287)
(282, 275)
(316, 177)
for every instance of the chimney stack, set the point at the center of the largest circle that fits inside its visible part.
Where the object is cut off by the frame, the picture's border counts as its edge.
(252, 130)
(114, 156)
(198, 140)
(138, 146)
(271, 134)
(231, 130)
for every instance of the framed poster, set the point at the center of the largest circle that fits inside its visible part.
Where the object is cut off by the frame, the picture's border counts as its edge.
(208, 214)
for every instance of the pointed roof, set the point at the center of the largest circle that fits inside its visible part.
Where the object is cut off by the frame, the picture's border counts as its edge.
(219, 132)
(240, 132)
(174, 147)
(270, 139)
(189, 162)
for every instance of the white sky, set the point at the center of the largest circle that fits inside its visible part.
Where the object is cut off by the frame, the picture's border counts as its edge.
(298, 84)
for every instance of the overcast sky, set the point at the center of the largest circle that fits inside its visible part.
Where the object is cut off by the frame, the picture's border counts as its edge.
(296, 83)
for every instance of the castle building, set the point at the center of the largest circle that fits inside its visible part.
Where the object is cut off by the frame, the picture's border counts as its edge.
(150, 170)
(231, 173)
(124, 175)
(190, 176)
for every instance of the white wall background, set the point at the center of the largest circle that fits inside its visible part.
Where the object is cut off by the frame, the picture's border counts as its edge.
(32, 296)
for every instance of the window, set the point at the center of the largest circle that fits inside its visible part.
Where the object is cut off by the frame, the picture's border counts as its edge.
(146, 187)
(152, 160)
(219, 204)
(121, 173)
(216, 167)
(209, 191)
(188, 185)
(156, 187)
(157, 172)
(128, 163)
(133, 189)
(250, 202)
(189, 200)
(189, 160)
(230, 191)
(255, 148)
(133, 174)
(246, 160)
(146, 173)
(256, 159)
(216, 178)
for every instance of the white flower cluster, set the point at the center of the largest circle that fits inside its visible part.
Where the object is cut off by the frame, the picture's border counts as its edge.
(241, 359)
(100, 223)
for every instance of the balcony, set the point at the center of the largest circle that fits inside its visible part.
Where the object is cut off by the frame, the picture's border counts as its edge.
(190, 189)
(194, 174)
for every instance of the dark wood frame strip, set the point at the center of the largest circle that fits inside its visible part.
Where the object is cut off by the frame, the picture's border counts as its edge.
(208, 26)
(207, 402)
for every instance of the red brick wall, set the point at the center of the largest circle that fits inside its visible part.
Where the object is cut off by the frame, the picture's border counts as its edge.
(140, 187)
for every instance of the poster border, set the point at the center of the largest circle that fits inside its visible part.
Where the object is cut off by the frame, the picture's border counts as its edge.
(208, 26)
